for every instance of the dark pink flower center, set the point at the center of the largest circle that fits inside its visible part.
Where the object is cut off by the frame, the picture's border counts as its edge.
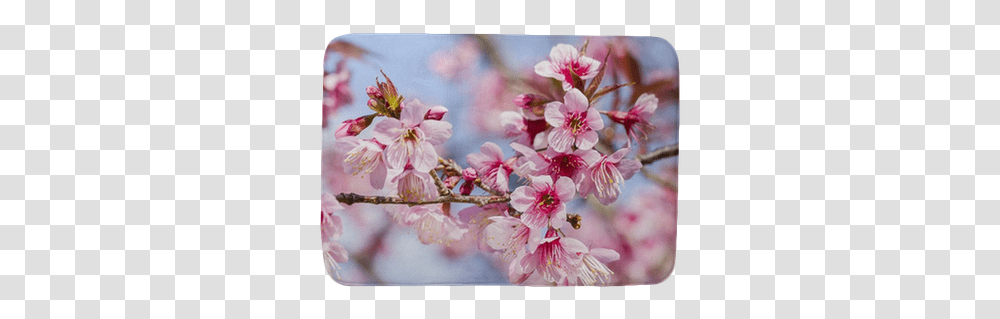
(566, 165)
(547, 201)
(410, 135)
(576, 123)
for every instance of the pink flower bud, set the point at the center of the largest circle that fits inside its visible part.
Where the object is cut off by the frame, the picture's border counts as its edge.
(618, 116)
(524, 100)
(373, 92)
(372, 103)
(353, 127)
(436, 113)
(469, 174)
(467, 188)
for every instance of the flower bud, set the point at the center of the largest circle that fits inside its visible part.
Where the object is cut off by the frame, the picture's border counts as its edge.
(524, 100)
(354, 127)
(469, 174)
(373, 92)
(436, 113)
(467, 188)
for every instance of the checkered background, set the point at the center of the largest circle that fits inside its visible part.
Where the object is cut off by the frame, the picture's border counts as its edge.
(162, 160)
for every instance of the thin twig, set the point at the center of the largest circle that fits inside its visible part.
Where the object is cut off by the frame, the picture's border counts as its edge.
(658, 154)
(442, 190)
(352, 198)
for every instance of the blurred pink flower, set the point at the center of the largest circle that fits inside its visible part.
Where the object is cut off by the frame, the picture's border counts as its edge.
(411, 139)
(332, 227)
(490, 166)
(363, 157)
(455, 62)
(415, 185)
(604, 178)
(637, 118)
(336, 90)
(573, 122)
(432, 225)
(564, 60)
(477, 219)
(543, 203)
(491, 96)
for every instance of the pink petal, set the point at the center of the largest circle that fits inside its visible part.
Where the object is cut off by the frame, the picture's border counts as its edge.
(413, 113)
(594, 119)
(575, 101)
(395, 156)
(502, 182)
(587, 140)
(541, 182)
(545, 69)
(522, 198)
(573, 246)
(477, 160)
(534, 219)
(565, 188)
(629, 167)
(337, 251)
(377, 177)
(589, 156)
(586, 185)
(424, 157)
(561, 139)
(387, 130)
(492, 150)
(436, 132)
(563, 53)
(559, 217)
(604, 255)
(645, 105)
(553, 114)
(618, 155)
(591, 65)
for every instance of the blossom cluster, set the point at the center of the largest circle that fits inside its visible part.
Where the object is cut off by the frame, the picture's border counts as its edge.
(557, 155)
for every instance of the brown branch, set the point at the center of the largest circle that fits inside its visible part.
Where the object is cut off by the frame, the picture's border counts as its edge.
(658, 154)
(442, 190)
(352, 198)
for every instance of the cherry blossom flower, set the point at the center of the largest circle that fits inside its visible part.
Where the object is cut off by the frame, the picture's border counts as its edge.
(573, 122)
(637, 118)
(555, 164)
(508, 235)
(414, 185)
(490, 166)
(432, 225)
(364, 157)
(604, 177)
(477, 219)
(411, 138)
(564, 60)
(332, 228)
(336, 90)
(555, 258)
(524, 131)
(543, 203)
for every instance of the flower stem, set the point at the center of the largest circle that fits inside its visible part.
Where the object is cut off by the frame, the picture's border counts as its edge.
(352, 198)
(658, 154)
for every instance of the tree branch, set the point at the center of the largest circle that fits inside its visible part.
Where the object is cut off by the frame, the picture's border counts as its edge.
(658, 154)
(352, 198)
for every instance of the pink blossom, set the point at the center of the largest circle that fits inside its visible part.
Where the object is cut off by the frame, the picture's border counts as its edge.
(415, 185)
(564, 60)
(637, 118)
(477, 219)
(508, 235)
(573, 122)
(436, 113)
(523, 130)
(604, 178)
(555, 164)
(431, 223)
(490, 166)
(469, 175)
(411, 139)
(455, 61)
(363, 157)
(555, 258)
(336, 90)
(492, 97)
(332, 227)
(543, 203)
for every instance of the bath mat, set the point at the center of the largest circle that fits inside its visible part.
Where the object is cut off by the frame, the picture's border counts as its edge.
(499, 159)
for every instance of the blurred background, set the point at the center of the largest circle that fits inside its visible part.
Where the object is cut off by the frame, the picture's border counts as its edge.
(476, 78)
